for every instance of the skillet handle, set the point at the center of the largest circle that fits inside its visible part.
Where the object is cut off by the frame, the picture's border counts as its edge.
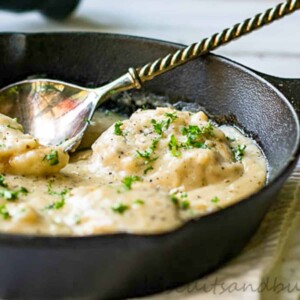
(289, 88)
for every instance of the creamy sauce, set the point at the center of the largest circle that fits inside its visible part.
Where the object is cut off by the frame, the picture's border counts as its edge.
(148, 174)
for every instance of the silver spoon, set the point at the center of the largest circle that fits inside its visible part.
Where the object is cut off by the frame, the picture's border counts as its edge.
(57, 113)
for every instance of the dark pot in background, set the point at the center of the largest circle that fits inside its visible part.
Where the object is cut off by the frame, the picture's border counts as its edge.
(54, 9)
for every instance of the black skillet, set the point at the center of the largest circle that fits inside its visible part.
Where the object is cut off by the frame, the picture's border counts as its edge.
(124, 265)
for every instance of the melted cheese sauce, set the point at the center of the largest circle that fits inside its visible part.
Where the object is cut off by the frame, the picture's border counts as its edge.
(146, 175)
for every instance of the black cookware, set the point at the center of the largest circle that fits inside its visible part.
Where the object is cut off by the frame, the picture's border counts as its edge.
(55, 9)
(124, 265)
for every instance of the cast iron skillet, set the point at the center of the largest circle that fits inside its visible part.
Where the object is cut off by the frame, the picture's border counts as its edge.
(123, 265)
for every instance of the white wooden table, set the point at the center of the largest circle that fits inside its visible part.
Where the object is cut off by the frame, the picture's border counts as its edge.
(274, 50)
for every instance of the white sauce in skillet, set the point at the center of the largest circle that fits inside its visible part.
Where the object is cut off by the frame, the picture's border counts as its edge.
(148, 174)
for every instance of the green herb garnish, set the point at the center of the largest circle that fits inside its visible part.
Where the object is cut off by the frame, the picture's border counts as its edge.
(2, 181)
(119, 208)
(208, 129)
(185, 204)
(139, 201)
(174, 199)
(57, 204)
(12, 195)
(52, 158)
(154, 144)
(239, 152)
(4, 212)
(61, 202)
(147, 154)
(14, 128)
(196, 135)
(172, 116)
(148, 169)
(8, 194)
(52, 192)
(144, 154)
(174, 146)
(182, 202)
(118, 130)
(129, 180)
(215, 199)
(158, 127)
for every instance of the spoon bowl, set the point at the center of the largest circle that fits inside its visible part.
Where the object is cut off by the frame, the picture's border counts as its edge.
(55, 112)
(50, 110)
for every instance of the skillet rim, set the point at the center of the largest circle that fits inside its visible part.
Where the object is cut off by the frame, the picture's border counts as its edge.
(9, 239)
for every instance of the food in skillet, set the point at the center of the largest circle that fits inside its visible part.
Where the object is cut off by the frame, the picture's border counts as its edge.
(148, 174)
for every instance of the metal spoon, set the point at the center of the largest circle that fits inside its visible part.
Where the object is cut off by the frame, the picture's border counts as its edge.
(56, 112)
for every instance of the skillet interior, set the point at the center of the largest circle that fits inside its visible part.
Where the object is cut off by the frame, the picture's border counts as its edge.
(123, 265)
(223, 91)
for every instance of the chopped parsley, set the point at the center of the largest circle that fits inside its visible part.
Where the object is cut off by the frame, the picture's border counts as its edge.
(154, 144)
(173, 146)
(129, 180)
(144, 154)
(208, 129)
(52, 192)
(182, 202)
(119, 208)
(185, 204)
(239, 152)
(158, 127)
(195, 135)
(4, 212)
(2, 181)
(57, 204)
(118, 130)
(215, 199)
(147, 154)
(61, 202)
(148, 169)
(139, 201)
(174, 199)
(52, 158)
(172, 116)
(14, 128)
(12, 195)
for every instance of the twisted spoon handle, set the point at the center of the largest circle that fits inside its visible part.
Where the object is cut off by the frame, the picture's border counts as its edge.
(172, 60)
